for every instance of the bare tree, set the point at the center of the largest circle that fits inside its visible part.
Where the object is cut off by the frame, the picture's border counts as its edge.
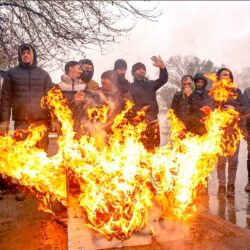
(59, 28)
(178, 66)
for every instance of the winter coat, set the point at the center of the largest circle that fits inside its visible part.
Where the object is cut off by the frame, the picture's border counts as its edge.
(198, 99)
(240, 105)
(143, 93)
(180, 107)
(23, 88)
(239, 102)
(69, 88)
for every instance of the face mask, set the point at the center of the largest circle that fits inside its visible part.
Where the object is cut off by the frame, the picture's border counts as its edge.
(87, 75)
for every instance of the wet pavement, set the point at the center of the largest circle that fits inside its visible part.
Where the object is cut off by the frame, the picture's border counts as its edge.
(23, 227)
(236, 210)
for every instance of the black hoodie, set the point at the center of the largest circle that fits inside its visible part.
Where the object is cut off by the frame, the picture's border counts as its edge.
(23, 89)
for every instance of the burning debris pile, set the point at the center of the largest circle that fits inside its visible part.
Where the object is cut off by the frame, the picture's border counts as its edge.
(120, 181)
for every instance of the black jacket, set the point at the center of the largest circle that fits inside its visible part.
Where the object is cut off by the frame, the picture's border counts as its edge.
(23, 88)
(198, 99)
(143, 93)
(239, 102)
(180, 107)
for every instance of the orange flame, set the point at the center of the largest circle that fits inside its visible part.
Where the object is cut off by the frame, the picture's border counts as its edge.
(120, 181)
(221, 90)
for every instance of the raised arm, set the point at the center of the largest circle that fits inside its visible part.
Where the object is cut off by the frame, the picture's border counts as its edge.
(163, 77)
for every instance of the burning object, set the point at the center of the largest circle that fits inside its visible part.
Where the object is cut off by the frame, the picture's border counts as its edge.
(120, 183)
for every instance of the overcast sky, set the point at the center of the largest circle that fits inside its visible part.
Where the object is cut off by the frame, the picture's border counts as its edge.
(218, 31)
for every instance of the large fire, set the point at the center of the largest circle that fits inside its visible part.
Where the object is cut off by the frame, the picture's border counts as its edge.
(119, 180)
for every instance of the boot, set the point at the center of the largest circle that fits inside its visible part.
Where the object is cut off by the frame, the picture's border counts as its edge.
(247, 187)
(230, 190)
(221, 192)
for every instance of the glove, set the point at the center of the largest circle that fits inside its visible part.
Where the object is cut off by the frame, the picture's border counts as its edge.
(4, 127)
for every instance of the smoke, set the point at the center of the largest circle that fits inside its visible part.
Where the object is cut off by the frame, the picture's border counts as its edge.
(98, 113)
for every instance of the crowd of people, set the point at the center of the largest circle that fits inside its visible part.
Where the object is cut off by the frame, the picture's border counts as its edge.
(25, 85)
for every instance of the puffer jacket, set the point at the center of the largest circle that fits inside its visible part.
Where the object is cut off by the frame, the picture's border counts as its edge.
(23, 88)
(69, 88)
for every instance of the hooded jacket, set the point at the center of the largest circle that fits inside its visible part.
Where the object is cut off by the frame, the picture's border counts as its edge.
(198, 99)
(23, 88)
(143, 93)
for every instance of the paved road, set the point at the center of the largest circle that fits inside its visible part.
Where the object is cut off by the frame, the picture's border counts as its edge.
(23, 227)
(235, 210)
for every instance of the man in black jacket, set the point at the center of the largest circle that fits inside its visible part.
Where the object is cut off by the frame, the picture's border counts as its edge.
(143, 93)
(22, 91)
(23, 88)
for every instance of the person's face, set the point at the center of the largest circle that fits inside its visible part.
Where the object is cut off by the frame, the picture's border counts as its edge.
(186, 81)
(121, 72)
(200, 83)
(107, 84)
(225, 74)
(87, 67)
(75, 72)
(140, 73)
(26, 56)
